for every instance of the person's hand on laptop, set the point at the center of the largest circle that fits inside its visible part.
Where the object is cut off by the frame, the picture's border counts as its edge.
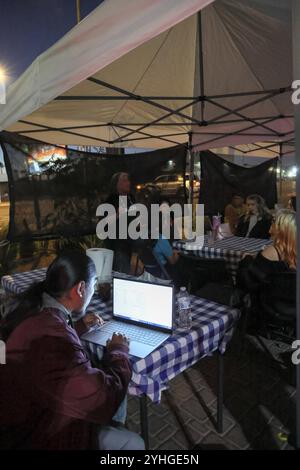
(92, 319)
(117, 338)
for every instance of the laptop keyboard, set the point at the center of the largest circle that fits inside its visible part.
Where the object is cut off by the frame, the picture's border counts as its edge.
(134, 333)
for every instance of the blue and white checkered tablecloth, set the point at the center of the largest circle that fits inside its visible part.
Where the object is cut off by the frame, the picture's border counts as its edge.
(231, 249)
(19, 282)
(212, 329)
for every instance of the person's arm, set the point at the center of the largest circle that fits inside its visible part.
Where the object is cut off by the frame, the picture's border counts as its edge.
(174, 258)
(86, 322)
(65, 381)
(165, 248)
(241, 228)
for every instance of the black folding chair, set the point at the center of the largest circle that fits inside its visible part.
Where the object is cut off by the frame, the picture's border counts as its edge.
(277, 306)
(4, 249)
(204, 273)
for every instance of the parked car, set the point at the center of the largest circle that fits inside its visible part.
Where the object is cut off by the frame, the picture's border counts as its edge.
(171, 185)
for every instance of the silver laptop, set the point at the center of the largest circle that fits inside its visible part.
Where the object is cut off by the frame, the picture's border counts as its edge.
(143, 311)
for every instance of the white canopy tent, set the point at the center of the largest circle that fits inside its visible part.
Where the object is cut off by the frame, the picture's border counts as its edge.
(156, 74)
(153, 73)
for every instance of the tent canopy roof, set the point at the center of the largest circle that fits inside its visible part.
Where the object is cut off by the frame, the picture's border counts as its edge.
(259, 149)
(150, 74)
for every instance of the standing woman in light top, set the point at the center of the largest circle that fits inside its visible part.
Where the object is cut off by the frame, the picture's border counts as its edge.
(257, 221)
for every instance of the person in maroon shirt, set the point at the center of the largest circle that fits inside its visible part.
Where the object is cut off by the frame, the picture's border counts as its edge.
(50, 395)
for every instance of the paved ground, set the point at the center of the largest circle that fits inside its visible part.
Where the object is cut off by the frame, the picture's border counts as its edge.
(259, 405)
(259, 399)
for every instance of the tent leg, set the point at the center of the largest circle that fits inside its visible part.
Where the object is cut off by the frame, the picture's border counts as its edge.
(280, 174)
(78, 11)
(191, 170)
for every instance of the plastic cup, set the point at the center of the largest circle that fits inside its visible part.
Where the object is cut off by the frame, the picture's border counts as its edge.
(104, 288)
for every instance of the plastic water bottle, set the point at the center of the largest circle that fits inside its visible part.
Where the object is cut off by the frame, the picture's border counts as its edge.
(184, 309)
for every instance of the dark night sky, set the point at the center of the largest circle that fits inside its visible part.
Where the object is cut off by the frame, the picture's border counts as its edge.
(29, 27)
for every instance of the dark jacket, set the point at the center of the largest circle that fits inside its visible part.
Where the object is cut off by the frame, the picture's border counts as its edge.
(272, 286)
(253, 272)
(50, 395)
(120, 244)
(260, 229)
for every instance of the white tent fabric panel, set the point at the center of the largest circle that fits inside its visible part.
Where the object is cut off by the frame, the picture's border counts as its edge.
(247, 46)
(109, 32)
(151, 49)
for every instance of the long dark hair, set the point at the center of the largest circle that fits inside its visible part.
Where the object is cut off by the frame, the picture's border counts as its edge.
(69, 268)
(263, 210)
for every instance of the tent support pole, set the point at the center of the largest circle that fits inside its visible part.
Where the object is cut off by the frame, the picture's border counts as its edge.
(200, 39)
(191, 169)
(296, 74)
(280, 168)
(78, 11)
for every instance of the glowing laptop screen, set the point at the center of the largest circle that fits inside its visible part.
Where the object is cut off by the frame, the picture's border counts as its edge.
(151, 304)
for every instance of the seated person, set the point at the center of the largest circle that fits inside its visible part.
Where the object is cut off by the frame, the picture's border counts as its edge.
(278, 258)
(233, 211)
(66, 404)
(162, 248)
(164, 251)
(292, 204)
(257, 221)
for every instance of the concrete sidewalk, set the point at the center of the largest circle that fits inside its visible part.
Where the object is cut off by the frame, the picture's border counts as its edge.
(259, 407)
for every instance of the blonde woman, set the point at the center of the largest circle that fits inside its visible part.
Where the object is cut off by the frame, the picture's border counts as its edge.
(279, 257)
(283, 232)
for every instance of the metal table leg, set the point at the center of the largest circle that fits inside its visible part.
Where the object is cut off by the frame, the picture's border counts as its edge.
(220, 392)
(144, 420)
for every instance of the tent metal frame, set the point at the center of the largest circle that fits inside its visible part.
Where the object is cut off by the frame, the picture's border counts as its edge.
(141, 128)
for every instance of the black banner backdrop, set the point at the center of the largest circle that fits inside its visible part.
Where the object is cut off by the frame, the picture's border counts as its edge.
(55, 191)
(220, 180)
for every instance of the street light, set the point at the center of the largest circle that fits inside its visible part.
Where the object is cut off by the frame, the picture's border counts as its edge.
(292, 172)
(2, 86)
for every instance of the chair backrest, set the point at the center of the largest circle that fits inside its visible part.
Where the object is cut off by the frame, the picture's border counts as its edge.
(278, 297)
(214, 269)
(201, 271)
(4, 250)
(4, 246)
